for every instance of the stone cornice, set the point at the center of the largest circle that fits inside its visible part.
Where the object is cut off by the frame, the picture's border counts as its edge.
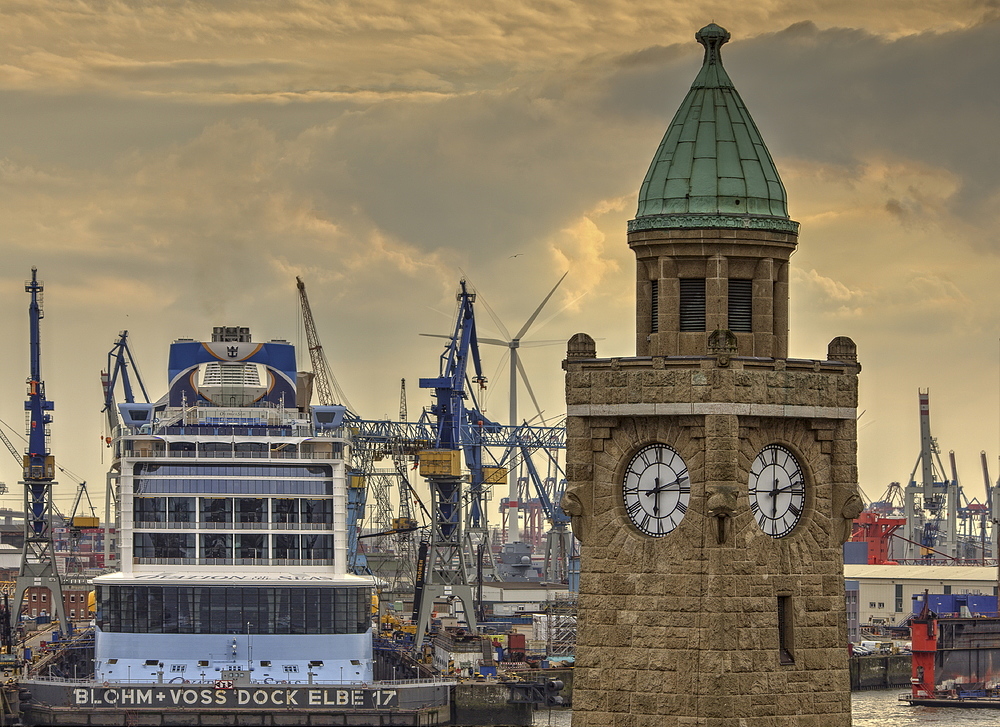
(689, 221)
(739, 409)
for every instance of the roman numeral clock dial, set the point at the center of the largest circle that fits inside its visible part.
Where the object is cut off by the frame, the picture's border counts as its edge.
(656, 489)
(777, 491)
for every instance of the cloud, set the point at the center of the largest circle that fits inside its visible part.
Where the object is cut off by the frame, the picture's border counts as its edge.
(830, 289)
(583, 248)
(302, 44)
(174, 166)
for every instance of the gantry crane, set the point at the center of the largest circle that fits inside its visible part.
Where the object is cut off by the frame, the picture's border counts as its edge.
(931, 500)
(559, 539)
(38, 558)
(454, 426)
(443, 572)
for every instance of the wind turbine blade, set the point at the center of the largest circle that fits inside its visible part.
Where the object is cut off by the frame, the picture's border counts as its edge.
(527, 324)
(450, 315)
(434, 335)
(556, 313)
(538, 417)
(527, 385)
(493, 316)
(532, 344)
(502, 365)
(494, 342)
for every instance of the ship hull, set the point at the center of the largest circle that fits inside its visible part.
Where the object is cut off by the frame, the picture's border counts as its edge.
(93, 703)
(953, 702)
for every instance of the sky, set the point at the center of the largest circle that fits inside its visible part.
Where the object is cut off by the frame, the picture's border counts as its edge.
(173, 166)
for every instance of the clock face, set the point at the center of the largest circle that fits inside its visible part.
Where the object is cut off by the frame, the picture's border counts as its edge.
(657, 489)
(777, 490)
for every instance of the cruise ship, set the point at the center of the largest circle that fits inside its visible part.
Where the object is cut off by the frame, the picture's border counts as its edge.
(232, 499)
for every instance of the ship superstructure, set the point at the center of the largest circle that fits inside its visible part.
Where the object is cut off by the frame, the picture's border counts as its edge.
(232, 503)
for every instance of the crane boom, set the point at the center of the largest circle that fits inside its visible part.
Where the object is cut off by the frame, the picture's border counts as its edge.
(326, 383)
(119, 359)
(18, 456)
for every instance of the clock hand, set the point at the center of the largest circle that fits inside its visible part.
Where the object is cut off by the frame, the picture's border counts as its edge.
(658, 488)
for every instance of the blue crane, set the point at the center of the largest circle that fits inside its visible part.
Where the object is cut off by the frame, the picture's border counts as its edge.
(442, 571)
(449, 385)
(450, 395)
(459, 426)
(453, 426)
(559, 540)
(38, 563)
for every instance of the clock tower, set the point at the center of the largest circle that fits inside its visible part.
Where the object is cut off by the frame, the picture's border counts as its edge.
(712, 479)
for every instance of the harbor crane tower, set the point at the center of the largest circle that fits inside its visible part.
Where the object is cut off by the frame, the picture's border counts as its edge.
(442, 571)
(932, 501)
(38, 558)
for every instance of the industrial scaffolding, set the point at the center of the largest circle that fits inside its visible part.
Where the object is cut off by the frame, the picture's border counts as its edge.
(560, 624)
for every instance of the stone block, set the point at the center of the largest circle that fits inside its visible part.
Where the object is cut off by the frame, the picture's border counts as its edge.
(623, 720)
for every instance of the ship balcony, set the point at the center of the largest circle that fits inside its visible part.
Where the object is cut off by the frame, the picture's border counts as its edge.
(221, 430)
(146, 525)
(234, 561)
(156, 449)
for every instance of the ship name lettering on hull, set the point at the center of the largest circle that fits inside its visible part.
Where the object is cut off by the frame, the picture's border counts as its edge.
(248, 698)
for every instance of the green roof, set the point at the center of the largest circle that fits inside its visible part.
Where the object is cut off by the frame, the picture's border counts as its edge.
(712, 160)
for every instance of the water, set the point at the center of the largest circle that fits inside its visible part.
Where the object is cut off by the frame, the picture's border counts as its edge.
(552, 718)
(882, 709)
(871, 709)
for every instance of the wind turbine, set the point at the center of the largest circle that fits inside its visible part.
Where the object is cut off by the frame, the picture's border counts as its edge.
(513, 344)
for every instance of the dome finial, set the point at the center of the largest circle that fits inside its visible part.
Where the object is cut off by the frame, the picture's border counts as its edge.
(712, 36)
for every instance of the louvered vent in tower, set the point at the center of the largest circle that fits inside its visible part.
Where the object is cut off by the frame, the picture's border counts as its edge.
(692, 307)
(654, 310)
(740, 306)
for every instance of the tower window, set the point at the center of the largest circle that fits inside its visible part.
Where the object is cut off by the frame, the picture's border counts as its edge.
(741, 306)
(654, 308)
(692, 307)
(785, 641)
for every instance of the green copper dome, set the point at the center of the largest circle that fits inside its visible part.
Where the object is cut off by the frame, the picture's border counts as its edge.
(712, 160)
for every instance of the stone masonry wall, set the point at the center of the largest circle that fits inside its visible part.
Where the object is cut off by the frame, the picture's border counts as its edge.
(682, 630)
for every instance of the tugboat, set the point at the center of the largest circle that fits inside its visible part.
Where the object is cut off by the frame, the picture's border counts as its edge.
(234, 593)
